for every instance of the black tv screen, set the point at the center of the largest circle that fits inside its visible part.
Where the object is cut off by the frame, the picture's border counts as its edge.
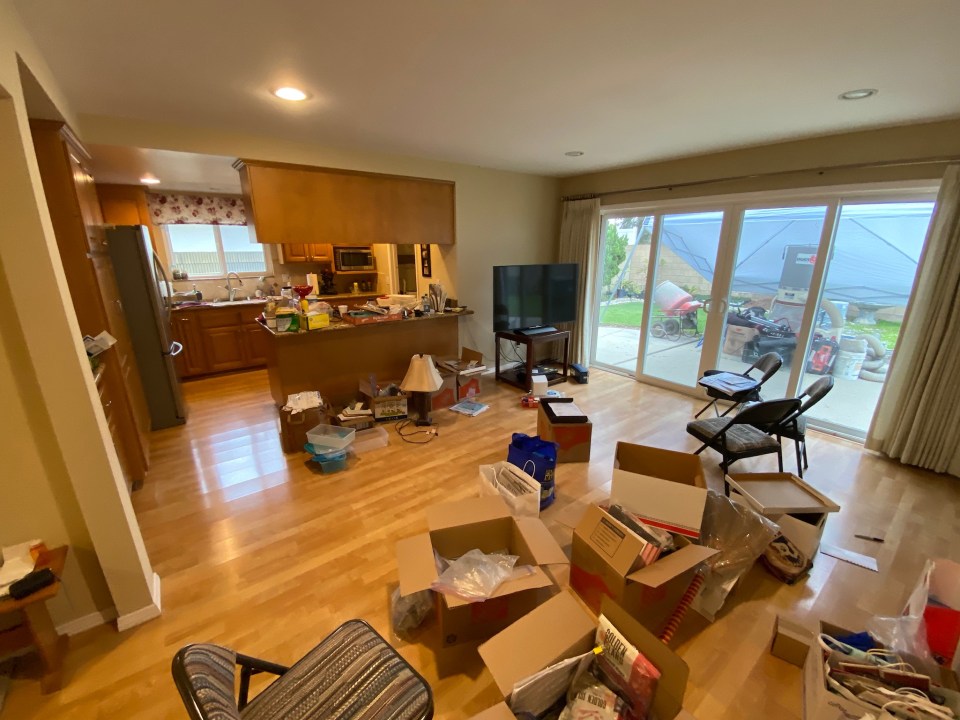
(525, 296)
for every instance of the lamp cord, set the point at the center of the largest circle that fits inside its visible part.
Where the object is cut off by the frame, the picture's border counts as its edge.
(433, 433)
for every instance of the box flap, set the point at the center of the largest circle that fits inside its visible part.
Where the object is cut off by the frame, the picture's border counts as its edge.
(415, 563)
(464, 512)
(558, 629)
(791, 641)
(680, 467)
(668, 699)
(616, 544)
(546, 550)
(672, 565)
(537, 579)
(804, 535)
(500, 711)
(674, 506)
(468, 355)
(779, 493)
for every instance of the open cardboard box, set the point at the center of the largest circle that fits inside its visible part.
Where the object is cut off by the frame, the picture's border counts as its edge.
(563, 628)
(468, 379)
(485, 523)
(798, 508)
(606, 554)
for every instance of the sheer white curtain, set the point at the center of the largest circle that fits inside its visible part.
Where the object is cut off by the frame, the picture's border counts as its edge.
(579, 243)
(918, 418)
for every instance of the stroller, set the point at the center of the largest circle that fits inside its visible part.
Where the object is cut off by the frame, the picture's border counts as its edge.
(675, 314)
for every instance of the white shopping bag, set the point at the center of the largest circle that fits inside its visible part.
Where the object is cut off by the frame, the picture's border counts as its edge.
(519, 489)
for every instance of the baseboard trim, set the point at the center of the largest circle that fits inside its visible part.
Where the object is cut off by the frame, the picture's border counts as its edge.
(138, 617)
(87, 622)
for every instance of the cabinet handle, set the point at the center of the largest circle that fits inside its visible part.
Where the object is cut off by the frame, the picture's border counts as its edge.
(107, 405)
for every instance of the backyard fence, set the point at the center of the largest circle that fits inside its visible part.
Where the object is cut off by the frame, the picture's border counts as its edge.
(198, 264)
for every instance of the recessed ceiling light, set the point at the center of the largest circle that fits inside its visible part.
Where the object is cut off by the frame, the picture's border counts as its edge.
(860, 94)
(150, 180)
(290, 93)
(574, 153)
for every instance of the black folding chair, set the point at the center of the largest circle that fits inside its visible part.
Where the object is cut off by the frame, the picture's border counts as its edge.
(767, 365)
(739, 437)
(794, 426)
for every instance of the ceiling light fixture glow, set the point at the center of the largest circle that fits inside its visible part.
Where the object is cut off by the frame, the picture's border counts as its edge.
(861, 94)
(150, 180)
(290, 93)
(574, 153)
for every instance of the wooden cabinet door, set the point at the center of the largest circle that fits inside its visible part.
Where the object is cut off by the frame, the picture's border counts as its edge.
(255, 341)
(192, 359)
(295, 252)
(223, 347)
(320, 253)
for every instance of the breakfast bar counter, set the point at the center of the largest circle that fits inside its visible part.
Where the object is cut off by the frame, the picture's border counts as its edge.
(334, 359)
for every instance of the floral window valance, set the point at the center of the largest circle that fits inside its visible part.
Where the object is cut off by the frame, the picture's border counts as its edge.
(195, 209)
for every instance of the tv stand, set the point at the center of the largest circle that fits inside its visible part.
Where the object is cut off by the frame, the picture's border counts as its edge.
(539, 330)
(522, 377)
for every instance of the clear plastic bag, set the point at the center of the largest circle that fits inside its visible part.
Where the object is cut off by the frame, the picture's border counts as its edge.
(475, 576)
(906, 635)
(740, 534)
(407, 612)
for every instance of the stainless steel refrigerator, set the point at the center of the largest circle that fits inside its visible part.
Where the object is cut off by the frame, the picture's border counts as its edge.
(145, 294)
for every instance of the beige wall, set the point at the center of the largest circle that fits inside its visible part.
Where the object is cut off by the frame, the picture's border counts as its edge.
(908, 142)
(502, 217)
(61, 478)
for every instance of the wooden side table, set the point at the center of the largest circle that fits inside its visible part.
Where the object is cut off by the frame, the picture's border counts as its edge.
(37, 628)
(524, 380)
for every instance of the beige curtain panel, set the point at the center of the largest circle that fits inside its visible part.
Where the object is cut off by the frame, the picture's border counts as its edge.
(918, 418)
(579, 243)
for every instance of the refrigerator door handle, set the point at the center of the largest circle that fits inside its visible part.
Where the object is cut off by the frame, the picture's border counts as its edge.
(175, 349)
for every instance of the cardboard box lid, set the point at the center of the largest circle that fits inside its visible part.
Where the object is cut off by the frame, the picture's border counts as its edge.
(680, 467)
(674, 506)
(557, 629)
(674, 673)
(672, 565)
(415, 563)
(545, 549)
(791, 641)
(500, 711)
(466, 512)
(780, 493)
(619, 546)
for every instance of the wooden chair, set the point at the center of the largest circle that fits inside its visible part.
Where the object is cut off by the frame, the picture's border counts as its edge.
(738, 437)
(353, 673)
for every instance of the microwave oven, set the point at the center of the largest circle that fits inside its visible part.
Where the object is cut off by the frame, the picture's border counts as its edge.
(353, 258)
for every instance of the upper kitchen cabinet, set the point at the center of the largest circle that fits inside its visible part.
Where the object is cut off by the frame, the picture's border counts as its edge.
(302, 204)
(126, 205)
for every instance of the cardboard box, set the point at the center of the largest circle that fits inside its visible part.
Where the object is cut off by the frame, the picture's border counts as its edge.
(791, 641)
(469, 383)
(293, 427)
(573, 439)
(798, 508)
(484, 523)
(562, 628)
(385, 407)
(605, 559)
(447, 394)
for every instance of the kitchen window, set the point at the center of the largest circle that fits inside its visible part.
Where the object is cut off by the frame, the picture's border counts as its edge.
(212, 251)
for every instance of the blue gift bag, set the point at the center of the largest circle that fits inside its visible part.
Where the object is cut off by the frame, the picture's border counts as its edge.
(537, 458)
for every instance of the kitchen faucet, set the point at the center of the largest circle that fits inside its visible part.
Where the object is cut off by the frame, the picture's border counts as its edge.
(232, 291)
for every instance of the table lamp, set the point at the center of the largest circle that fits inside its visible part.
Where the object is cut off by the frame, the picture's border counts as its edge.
(421, 379)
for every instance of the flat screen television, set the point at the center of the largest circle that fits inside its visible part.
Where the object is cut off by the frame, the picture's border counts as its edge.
(530, 296)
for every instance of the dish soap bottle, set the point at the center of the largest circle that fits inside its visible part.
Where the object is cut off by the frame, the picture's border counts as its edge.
(197, 293)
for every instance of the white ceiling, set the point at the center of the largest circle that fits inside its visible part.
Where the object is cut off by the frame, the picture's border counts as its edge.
(176, 170)
(509, 83)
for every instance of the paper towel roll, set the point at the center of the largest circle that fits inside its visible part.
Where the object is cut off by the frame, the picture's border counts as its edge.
(312, 280)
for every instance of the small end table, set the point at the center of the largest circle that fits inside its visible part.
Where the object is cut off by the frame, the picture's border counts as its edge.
(37, 629)
(524, 381)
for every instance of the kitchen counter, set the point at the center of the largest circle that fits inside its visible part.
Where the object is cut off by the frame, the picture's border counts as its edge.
(335, 359)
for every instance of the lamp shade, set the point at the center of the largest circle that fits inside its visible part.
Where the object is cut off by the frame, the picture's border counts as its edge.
(422, 375)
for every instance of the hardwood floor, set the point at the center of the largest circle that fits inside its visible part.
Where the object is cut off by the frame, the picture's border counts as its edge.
(262, 553)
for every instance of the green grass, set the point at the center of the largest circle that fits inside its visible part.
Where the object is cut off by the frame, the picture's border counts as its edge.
(628, 314)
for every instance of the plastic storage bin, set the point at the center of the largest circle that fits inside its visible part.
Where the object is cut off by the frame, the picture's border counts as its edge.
(370, 439)
(328, 438)
(329, 462)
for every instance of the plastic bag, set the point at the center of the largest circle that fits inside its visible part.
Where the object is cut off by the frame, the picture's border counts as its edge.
(475, 576)
(740, 534)
(906, 635)
(407, 612)
(519, 490)
(590, 699)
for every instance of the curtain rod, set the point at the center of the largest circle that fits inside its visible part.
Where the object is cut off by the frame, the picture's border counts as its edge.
(775, 173)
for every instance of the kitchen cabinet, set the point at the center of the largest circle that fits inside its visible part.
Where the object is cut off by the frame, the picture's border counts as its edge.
(81, 241)
(127, 205)
(288, 203)
(306, 252)
(218, 338)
